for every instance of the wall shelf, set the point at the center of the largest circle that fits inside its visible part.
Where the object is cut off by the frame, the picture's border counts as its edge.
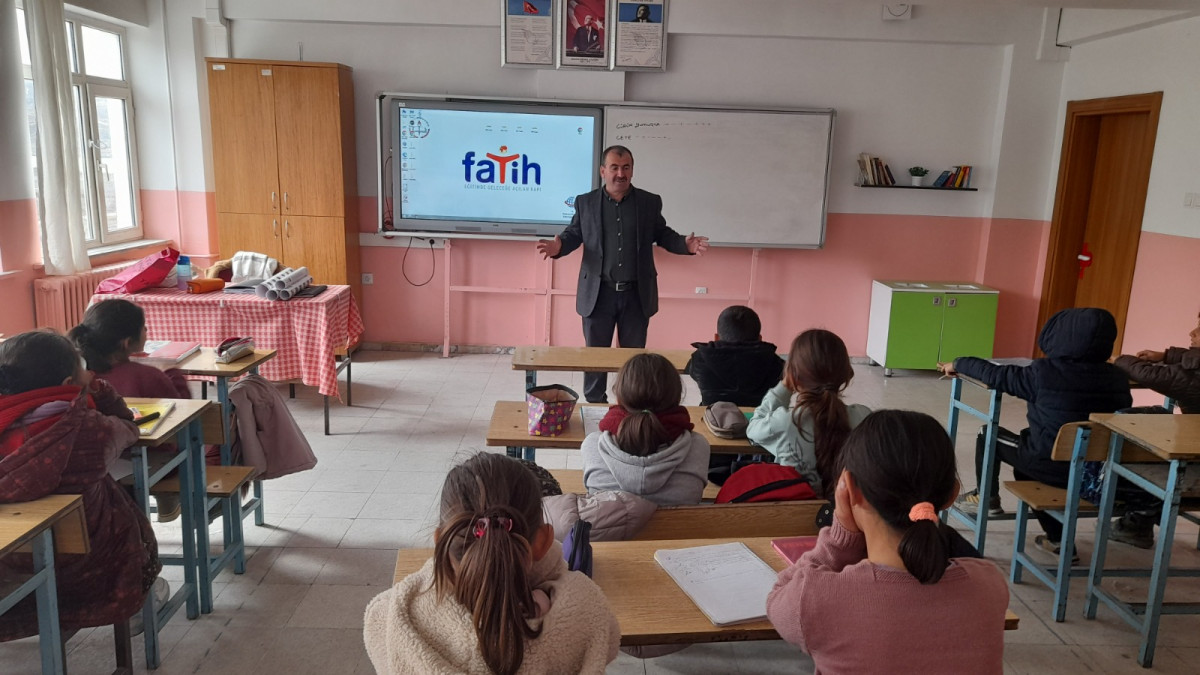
(921, 187)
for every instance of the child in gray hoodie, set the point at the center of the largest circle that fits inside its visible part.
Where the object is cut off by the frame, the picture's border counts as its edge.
(646, 445)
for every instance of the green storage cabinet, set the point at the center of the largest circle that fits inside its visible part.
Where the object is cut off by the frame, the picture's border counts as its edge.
(916, 324)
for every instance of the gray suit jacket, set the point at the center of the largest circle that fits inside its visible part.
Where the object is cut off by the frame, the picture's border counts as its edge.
(586, 229)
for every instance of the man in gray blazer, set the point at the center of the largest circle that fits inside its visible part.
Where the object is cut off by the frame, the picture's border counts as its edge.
(618, 284)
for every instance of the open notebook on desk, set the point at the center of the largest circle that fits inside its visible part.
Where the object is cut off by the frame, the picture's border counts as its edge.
(152, 413)
(726, 581)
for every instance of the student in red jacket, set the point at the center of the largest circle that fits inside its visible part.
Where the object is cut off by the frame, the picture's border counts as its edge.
(60, 431)
(885, 589)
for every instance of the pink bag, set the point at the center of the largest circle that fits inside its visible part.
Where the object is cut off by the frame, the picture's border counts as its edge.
(550, 409)
(147, 272)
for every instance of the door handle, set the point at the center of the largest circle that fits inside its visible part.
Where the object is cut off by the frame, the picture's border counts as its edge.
(937, 301)
(287, 229)
(1084, 258)
(951, 302)
(285, 201)
(275, 227)
(272, 200)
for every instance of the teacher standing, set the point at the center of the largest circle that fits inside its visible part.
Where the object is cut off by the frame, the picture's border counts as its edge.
(617, 225)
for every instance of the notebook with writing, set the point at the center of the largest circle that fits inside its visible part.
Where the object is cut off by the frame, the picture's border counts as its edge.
(791, 548)
(726, 581)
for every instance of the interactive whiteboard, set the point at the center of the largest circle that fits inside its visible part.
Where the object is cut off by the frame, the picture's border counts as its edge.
(739, 177)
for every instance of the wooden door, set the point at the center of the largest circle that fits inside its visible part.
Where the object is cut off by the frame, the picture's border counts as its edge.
(318, 244)
(309, 132)
(261, 233)
(242, 108)
(1108, 147)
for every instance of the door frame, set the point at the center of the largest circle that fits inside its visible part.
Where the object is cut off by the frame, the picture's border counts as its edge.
(1073, 193)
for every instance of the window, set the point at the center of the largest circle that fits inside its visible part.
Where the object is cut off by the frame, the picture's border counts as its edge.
(104, 116)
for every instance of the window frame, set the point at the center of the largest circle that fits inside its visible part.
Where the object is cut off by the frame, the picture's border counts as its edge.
(90, 88)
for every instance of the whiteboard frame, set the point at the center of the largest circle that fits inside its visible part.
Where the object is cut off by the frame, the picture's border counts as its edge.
(381, 153)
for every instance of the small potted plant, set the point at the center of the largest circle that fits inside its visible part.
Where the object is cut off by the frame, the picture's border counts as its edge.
(917, 173)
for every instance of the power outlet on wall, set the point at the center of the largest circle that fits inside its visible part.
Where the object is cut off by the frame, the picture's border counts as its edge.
(701, 290)
(368, 279)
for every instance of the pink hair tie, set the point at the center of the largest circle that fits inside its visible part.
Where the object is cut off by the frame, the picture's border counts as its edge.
(482, 525)
(922, 511)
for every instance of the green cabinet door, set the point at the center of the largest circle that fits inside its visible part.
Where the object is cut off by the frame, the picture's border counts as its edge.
(968, 325)
(914, 330)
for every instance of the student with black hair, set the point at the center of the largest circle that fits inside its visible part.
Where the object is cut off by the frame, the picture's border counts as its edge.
(737, 366)
(886, 589)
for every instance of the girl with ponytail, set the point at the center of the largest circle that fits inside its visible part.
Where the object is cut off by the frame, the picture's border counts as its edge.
(803, 420)
(496, 597)
(112, 331)
(646, 445)
(888, 570)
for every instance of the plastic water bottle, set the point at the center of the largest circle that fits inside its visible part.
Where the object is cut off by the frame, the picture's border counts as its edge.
(183, 270)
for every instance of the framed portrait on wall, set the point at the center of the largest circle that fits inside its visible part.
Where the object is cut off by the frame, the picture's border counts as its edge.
(583, 34)
(527, 33)
(640, 38)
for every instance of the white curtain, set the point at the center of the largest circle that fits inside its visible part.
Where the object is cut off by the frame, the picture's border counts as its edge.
(59, 194)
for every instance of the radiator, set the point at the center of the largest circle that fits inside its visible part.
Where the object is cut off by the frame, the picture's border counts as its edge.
(59, 302)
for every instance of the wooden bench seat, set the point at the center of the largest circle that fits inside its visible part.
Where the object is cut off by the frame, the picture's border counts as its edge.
(708, 521)
(571, 482)
(1042, 497)
(222, 481)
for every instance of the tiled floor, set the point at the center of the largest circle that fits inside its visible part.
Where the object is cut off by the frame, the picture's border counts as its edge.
(332, 535)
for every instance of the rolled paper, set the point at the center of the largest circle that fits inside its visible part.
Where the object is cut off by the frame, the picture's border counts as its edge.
(261, 290)
(288, 279)
(270, 281)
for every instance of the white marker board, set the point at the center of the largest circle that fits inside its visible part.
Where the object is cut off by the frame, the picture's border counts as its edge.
(739, 177)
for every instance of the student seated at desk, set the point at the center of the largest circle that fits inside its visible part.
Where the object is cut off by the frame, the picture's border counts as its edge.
(60, 431)
(803, 420)
(737, 366)
(497, 596)
(112, 331)
(884, 590)
(1174, 373)
(1073, 381)
(646, 445)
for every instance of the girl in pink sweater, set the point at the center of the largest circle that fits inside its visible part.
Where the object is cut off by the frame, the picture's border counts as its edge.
(882, 592)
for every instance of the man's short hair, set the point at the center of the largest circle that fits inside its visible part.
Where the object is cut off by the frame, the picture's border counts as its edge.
(739, 324)
(619, 150)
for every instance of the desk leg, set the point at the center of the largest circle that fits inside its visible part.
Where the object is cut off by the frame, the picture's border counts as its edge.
(199, 501)
(1162, 561)
(513, 451)
(194, 516)
(530, 379)
(990, 467)
(952, 419)
(1103, 525)
(49, 631)
(530, 454)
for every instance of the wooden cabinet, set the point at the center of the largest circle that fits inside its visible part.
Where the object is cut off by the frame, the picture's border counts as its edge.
(284, 164)
(915, 325)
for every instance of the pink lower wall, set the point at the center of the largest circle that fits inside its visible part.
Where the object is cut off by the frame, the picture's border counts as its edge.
(794, 289)
(20, 251)
(188, 218)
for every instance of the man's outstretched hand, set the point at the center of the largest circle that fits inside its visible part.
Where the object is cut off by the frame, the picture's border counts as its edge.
(696, 245)
(549, 247)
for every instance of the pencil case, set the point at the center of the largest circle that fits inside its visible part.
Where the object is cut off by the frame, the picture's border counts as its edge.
(205, 285)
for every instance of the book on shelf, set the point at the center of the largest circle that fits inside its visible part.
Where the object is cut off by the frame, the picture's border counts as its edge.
(966, 181)
(726, 581)
(864, 170)
(940, 181)
(888, 170)
(152, 413)
(165, 352)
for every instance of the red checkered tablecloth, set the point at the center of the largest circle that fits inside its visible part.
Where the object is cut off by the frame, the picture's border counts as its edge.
(305, 332)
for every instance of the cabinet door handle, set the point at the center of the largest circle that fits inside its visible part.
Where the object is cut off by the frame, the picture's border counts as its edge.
(287, 229)
(937, 300)
(272, 200)
(951, 302)
(285, 201)
(275, 227)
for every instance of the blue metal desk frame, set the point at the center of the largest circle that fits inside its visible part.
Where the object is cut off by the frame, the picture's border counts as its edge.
(1143, 616)
(991, 419)
(42, 585)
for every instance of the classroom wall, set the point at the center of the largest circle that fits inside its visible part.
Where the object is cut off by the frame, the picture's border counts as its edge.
(20, 247)
(1163, 301)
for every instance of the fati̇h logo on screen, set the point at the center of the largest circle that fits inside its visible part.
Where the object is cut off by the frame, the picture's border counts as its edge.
(503, 170)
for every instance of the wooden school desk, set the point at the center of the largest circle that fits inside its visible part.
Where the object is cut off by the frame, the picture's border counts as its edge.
(54, 523)
(1176, 440)
(509, 429)
(204, 364)
(531, 359)
(650, 607)
(181, 426)
(571, 482)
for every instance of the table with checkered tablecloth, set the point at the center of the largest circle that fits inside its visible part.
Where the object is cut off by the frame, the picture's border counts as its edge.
(307, 333)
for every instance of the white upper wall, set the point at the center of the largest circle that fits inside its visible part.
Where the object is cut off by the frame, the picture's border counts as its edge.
(1161, 58)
